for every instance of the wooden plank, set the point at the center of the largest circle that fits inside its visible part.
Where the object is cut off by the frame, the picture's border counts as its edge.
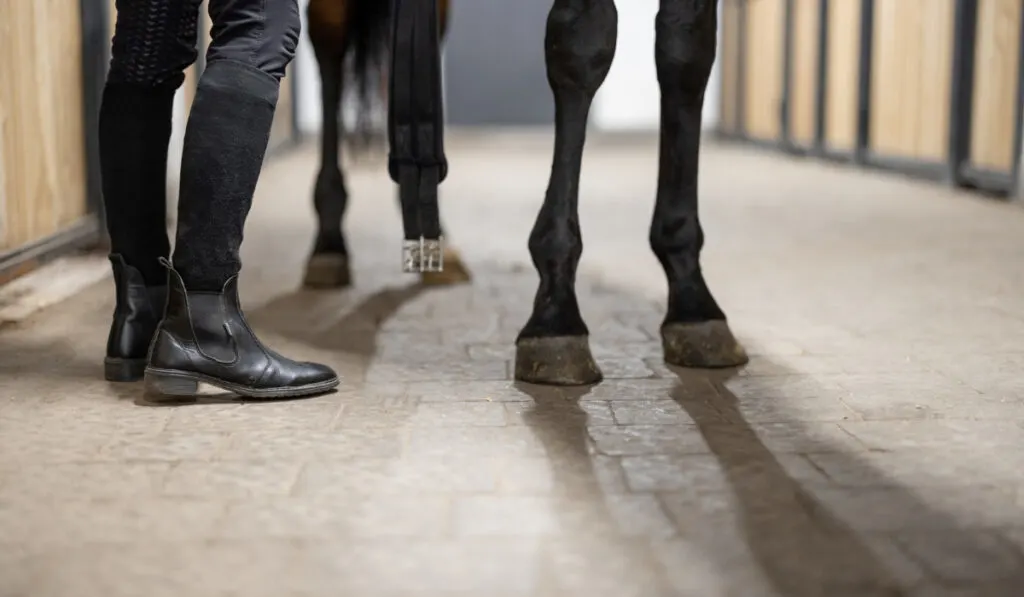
(765, 30)
(729, 61)
(889, 67)
(996, 68)
(803, 84)
(935, 79)
(841, 83)
(41, 130)
(911, 75)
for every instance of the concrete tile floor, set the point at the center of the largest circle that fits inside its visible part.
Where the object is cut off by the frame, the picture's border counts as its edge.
(872, 446)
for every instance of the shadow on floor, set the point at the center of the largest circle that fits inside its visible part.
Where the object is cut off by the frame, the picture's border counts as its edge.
(559, 422)
(353, 337)
(801, 546)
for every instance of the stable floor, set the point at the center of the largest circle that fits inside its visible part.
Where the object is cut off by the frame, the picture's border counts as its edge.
(873, 447)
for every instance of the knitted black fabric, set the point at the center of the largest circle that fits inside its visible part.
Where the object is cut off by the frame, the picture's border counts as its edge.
(225, 142)
(135, 128)
(154, 42)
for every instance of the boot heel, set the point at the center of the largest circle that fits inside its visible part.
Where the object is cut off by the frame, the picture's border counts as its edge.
(123, 370)
(170, 384)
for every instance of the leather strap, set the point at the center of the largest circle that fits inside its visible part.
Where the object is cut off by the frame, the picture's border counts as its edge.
(415, 115)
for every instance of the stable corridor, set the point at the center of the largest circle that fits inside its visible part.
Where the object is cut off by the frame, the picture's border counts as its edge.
(872, 447)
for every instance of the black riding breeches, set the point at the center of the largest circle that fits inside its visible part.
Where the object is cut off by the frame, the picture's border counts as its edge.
(252, 41)
(156, 40)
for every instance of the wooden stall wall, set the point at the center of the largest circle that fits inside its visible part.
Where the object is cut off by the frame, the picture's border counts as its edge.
(991, 157)
(43, 178)
(932, 88)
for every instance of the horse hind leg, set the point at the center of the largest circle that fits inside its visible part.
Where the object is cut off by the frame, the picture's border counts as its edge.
(694, 332)
(553, 346)
(328, 265)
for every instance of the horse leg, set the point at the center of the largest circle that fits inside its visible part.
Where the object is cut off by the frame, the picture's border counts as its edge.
(553, 347)
(328, 266)
(694, 332)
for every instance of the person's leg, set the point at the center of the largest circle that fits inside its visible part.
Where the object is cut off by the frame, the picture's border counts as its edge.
(154, 42)
(204, 336)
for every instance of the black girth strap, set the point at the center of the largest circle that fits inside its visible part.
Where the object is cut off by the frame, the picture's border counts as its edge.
(416, 128)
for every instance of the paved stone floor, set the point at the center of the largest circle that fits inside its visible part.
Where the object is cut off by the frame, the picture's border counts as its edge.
(873, 446)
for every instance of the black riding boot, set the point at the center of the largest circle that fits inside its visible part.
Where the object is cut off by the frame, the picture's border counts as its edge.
(204, 338)
(137, 312)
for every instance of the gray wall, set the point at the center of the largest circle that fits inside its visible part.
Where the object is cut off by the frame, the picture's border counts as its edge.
(494, 63)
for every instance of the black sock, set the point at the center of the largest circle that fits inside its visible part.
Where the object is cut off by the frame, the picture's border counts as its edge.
(225, 141)
(135, 128)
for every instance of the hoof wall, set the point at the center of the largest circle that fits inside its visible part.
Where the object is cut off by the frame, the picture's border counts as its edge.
(704, 345)
(327, 270)
(556, 361)
(455, 271)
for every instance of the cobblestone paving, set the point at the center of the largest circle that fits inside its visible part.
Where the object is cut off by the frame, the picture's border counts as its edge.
(871, 448)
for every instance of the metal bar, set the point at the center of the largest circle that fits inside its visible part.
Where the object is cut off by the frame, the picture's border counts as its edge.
(962, 88)
(785, 132)
(96, 34)
(1018, 138)
(821, 85)
(836, 156)
(912, 167)
(741, 68)
(992, 182)
(864, 80)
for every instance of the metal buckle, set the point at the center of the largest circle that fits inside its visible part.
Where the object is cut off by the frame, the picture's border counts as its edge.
(423, 255)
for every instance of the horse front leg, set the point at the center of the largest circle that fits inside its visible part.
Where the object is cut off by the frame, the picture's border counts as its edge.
(694, 332)
(553, 347)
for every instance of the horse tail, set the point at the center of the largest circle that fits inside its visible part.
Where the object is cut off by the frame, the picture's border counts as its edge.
(367, 45)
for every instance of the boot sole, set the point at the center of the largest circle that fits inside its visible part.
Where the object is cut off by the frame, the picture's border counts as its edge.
(171, 383)
(123, 370)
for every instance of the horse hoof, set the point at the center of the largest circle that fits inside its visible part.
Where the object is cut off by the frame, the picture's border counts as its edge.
(455, 271)
(556, 361)
(704, 345)
(327, 270)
